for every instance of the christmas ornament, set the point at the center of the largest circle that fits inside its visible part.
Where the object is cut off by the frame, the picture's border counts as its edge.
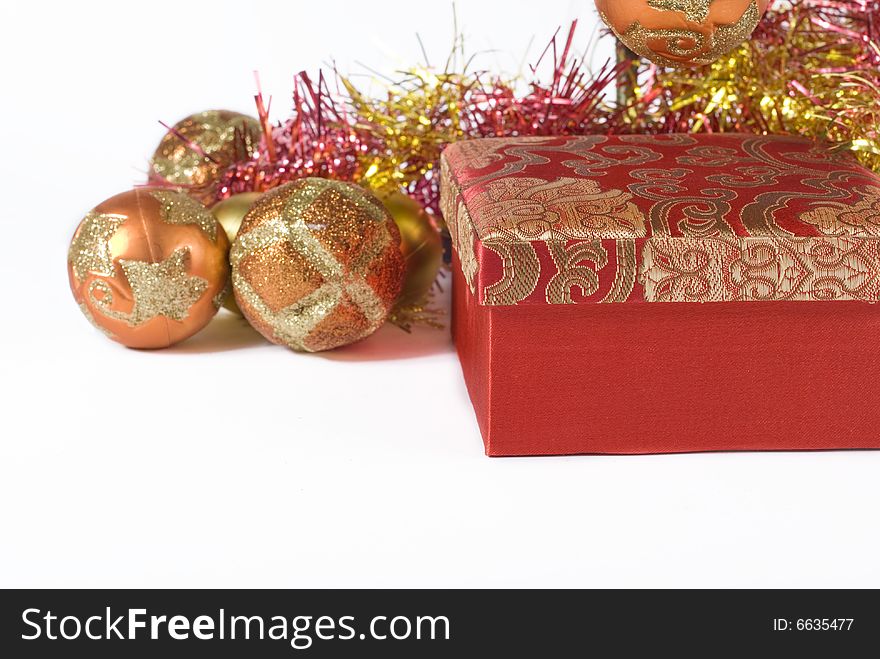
(148, 267)
(197, 149)
(229, 213)
(812, 68)
(682, 32)
(421, 246)
(317, 264)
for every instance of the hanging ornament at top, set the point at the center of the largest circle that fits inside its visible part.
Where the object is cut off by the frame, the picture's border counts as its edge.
(682, 32)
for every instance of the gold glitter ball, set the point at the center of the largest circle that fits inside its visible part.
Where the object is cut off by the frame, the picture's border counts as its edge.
(197, 149)
(682, 32)
(317, 264)
(230, 213)
(420, 244)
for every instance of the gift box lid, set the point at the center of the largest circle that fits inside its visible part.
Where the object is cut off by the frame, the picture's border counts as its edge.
(665, 218)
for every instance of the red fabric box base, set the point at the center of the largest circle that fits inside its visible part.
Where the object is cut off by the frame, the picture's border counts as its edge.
(669, 378)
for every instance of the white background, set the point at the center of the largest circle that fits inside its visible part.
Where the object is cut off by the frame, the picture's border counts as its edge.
(229, 462)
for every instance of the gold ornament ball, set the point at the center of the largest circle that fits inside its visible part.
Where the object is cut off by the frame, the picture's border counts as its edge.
(420, 244)
(148, 267)
(317, 264)
(198, 148)
(229, 213)
(679, 32)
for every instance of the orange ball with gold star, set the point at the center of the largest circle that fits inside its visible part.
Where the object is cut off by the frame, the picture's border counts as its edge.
(682, 32)
(149, 267)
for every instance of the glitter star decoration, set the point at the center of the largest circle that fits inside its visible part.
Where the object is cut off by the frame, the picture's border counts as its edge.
(162, 288)
(694, 10)
(179, 208)
(90, 249)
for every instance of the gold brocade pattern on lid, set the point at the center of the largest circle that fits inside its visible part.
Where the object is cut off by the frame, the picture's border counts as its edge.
(836, 218)
(678, 218)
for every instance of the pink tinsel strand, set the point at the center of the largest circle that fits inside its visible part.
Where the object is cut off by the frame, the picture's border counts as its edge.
(314, 141)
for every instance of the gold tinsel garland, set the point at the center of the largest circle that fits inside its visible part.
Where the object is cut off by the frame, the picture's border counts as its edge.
(812, 68)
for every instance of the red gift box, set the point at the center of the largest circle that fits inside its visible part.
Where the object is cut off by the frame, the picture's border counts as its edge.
(675, 293)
